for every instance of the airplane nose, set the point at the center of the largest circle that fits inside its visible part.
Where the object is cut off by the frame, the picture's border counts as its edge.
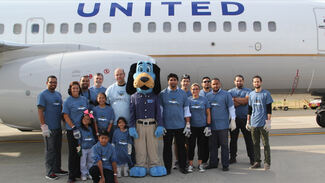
(144, 79)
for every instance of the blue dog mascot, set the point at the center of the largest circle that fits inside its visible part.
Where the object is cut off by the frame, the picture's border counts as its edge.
(146, 124)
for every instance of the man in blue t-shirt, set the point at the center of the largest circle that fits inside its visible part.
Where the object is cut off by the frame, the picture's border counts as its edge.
(185, 84)
(240, 97)
(222, 107)
(98, 81)
(49, 103)
(175, 108)
(259, 121)
(91, 95)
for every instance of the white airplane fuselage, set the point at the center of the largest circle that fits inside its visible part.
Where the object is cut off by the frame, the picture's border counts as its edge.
(282, 41)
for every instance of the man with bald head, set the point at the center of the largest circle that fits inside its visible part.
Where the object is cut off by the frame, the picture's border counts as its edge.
(118, 98)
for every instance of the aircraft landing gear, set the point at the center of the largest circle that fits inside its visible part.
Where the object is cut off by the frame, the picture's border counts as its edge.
(320, 114)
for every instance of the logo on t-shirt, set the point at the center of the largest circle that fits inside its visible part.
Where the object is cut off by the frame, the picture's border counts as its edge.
(173, 101)
(81, 108)
(121, 93)
(214, 104)
(150, 101)
(102, 119)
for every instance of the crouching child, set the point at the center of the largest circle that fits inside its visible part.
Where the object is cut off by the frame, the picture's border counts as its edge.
(104, 169)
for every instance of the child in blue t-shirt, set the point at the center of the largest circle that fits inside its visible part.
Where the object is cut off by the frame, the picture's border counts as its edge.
(123, 146)
(104, 114)
(104, 156)
(86, 142)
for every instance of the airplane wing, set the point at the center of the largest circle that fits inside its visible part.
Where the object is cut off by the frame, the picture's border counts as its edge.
(8, 46)
(10, 51)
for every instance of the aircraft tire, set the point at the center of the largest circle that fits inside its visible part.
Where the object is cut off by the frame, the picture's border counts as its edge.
(320, 120)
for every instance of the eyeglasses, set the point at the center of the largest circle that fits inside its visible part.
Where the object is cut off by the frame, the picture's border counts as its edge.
(208, 81)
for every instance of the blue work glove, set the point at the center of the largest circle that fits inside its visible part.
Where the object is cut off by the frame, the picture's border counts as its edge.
(207, 131)
(76, 132)
(133, 133)
(187, 130)
(160, 131)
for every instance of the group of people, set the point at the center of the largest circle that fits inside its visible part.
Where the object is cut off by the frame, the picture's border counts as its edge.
(100, 146)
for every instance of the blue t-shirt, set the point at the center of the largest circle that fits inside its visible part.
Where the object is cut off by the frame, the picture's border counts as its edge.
(198, 108)
(106, 154)
(87, 139)
(121, 141)
(103, 116)
(75, 107)
(188, 93)
(92, 98)
(220, 103)
(173, 103)
(258, 102)
(52, 104)
(203, 93)
(98, 90)
(241, 110)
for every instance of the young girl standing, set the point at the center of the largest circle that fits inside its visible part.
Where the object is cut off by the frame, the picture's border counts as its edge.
(104, 114)
(123, 146)
(86, 142)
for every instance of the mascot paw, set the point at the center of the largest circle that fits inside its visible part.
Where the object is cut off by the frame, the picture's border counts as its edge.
(138, 171)
(158, 171)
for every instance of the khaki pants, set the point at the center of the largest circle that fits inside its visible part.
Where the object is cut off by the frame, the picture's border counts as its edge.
(146, 146)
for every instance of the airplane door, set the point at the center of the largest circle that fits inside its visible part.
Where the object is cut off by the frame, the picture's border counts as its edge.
(35, 30)
(320, 17)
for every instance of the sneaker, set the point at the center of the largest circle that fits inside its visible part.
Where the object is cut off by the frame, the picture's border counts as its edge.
(83, 178)
(175, 165)
(201, 168)
(89, 177)
(61, 172)
(225, 168)
(190, 169)
(211, 167)
(232, 160)
(51, 176)
(255, 165)
(266, 166)
(71, 180)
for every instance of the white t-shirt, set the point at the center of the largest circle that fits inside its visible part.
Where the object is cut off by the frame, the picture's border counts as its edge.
(119, 100)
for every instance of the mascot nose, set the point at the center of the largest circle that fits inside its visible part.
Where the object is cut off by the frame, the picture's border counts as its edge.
(144, 79)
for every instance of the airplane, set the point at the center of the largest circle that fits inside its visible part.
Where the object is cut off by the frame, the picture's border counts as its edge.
(281, 40)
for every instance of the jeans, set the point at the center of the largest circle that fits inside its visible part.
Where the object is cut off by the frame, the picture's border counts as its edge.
(219, 137)
(53, 146)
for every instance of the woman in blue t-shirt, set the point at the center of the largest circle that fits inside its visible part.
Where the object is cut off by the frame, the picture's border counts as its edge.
(73, 108)
(200, 119)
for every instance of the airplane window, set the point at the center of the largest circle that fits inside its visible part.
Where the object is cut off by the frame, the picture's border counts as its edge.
(272, 26)
(151, 27)
(181, 26)
(137, 27)
(257, 26)
(78, 28)
(64, 28)
(212, 26)
(17, 28)
(167, 26)
(35, 28)
(227, 26)
(197, 26)
(242, 26)
(92, 28)
(50, 28)
(2, 28)
(107, 27)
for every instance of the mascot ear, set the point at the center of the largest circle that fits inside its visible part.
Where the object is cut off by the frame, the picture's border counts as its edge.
(157, 87)
(129, 85)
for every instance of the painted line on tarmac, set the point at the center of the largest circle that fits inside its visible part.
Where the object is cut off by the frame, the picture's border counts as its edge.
(280, 134)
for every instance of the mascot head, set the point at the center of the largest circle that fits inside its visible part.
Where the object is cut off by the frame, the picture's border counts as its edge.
(144, 77)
